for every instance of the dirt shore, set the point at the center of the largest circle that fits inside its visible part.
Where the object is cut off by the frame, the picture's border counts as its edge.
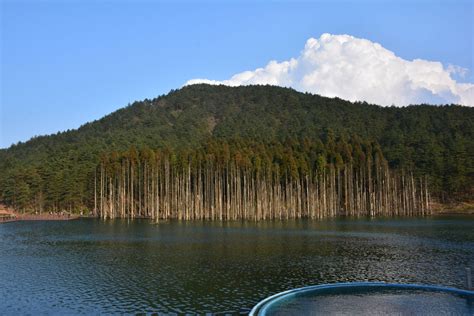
(38, 218)
(9, 215)
(455, 208)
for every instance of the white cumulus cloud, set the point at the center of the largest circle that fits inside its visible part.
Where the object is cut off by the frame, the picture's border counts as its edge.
(357, 69)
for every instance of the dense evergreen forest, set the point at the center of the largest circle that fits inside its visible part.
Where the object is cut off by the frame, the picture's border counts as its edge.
(247, 152)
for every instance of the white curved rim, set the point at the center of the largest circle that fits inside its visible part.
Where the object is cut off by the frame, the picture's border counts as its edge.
(262, 306)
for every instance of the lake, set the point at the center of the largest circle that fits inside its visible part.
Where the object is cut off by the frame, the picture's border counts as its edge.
(119, 266)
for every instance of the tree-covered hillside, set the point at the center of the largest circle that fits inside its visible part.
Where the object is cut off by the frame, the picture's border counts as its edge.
(58, 171)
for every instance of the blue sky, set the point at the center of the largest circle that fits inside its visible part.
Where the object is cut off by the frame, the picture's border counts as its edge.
(66, 63)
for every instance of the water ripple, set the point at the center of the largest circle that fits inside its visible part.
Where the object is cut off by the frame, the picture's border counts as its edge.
(91, 267)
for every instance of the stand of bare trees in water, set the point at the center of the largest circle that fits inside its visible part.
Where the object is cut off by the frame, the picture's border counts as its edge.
(256, 182)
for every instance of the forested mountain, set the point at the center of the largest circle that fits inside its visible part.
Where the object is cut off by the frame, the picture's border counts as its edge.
(297, 131)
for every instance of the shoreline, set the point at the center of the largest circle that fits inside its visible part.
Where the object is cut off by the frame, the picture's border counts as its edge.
(9, 217)
(456, 208)
(453, 212)
(71, 218)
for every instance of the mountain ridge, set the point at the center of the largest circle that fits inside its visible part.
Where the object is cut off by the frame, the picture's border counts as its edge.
(424, 138)
(159, 101)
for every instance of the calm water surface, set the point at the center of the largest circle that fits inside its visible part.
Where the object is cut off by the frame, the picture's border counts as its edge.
(92, 266)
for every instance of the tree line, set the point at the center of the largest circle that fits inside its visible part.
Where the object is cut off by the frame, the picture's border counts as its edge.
(256, 181)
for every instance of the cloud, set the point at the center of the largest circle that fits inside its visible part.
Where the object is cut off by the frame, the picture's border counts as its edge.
(357, 69)
(457, 70)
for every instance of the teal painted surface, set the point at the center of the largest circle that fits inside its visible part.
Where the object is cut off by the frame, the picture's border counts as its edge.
(363, 298)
